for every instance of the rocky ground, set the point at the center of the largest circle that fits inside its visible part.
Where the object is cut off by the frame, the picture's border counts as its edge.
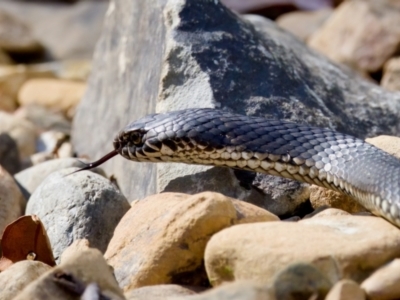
(141, 231)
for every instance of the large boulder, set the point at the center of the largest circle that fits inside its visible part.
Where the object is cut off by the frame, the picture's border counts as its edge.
(155, 56)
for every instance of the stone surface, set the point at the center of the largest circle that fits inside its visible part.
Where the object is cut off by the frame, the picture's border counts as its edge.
(12, 202)
(232, 65)
(80, 205)
(384, 283)
(79, 25)
(346, 289)
(301, 281)
(80, 268)
(358, 36)
(390, 144)
(303, 23)
(54, 94)
(320, 197)
(21, 131)
(235, 291)
(171, 249)
(391, 75)
(9, 154)
(339, 246)
(15, 35)
(19, 275)
(29, 179)
(162, 291)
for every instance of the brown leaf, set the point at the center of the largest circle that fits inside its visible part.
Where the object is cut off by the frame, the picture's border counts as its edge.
(25, 238)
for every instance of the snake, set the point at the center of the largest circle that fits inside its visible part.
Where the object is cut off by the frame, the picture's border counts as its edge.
(313, 155)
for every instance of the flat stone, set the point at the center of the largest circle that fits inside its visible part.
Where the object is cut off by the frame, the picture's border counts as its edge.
(259, 251)
(171, 249)
(384, 283)
(80, 205)
(16, 277)
(346, 289)
(370, 40)
(12, 202)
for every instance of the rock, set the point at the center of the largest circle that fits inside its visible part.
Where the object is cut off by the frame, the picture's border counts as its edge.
(301, 281)
(259, 251)
(54, 94)
(236, 290)
(12, 202)
(247, 66)
(346, 289)
(78, 25)
(303, 23)
(19, 275)
(391, 75)
(389, 144)
(22, 132)
(29, 179)
(77, 271)
(49, 141)
(384, 283)
(80, 205)
(5, 58)
(358, 36)
(15, 36)
(162, 291)
(171, 249)
(43, 118)
(9, 154)
(11, 79)
(320, 197)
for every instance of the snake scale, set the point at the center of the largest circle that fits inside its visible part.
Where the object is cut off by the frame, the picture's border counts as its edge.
(314, 155)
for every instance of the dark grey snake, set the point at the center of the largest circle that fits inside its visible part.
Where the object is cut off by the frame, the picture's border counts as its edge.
(315, 155)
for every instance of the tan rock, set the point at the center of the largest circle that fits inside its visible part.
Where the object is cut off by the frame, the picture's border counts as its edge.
(161, 292)
(389, 144)
(346, 289)
(162, 238)
(12, 202)
(320, 196)
(340, 246)
(80, 267)
(12, 78)
(357, 35)
(391, 74)
(241, 289)
(19, 275)
(384, 283)
(22, 131)
(55, 94)
(303, 23)
(15, 36)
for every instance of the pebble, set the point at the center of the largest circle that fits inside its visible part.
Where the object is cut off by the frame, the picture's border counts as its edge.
(80, 205)
(346, 289)
(384, 283)
(259, 251)
(161, 239)
(15, 278)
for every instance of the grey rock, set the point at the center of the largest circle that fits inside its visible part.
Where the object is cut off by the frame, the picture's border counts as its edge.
(81, 205)
(9, 154)
(249, 66)
(29, 179)
(301, 281)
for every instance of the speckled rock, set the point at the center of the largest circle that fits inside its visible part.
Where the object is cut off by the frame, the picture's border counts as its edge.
(259, 251)
(80, 205)
(346, 289)
(162, 238)
(384, 283)
(19, 275)
(12, 202)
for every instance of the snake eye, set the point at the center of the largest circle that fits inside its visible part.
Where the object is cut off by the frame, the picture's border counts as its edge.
(135, 137)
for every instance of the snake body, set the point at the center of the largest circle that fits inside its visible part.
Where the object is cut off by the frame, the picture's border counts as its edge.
(309, 154)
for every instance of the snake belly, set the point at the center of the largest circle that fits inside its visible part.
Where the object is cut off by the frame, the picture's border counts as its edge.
(314, 155)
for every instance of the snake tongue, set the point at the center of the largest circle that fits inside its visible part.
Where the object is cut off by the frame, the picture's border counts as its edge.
(97, 162)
